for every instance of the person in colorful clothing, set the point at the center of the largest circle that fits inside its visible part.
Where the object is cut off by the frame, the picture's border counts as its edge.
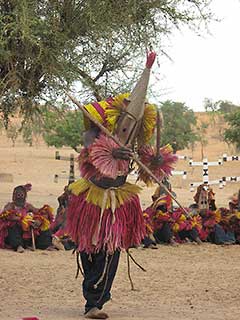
(60, 237)
(104, 212)
(173, 225)
(186, 227)
(20, 221)
(214, 221)
(159, 215)
(234, 202)
(168, 224)
(42, 220)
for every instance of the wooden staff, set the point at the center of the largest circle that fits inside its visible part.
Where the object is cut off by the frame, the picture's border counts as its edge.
(134, 156)
(33, 239)
(238, 205)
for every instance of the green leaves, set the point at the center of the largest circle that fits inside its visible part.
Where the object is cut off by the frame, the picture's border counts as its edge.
(178, 125)
(232, 134)
(48, 46)
(63, 128)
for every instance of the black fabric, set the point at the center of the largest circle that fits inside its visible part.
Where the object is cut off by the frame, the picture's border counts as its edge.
(190, 234)
(212, 205)
(44, 240)
(69, 245)
(93, 268)
(219, 236)
(147, 241)
(164, 234)
(106, 182)
(14, 238)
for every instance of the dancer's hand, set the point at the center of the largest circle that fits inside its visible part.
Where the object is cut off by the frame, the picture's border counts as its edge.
(123, 153)
(157, 161)
(36, 224)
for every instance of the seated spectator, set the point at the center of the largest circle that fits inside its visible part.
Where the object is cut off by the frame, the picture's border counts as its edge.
(61, 239)
(20, 221)
(234, 203)
(158, 218)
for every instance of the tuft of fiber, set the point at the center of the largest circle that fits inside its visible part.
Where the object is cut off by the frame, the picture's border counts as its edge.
(94, 226)
(86, 169)
(147, 154)
(148, 124)
(151, 55)
(100, 155)
(28, 187)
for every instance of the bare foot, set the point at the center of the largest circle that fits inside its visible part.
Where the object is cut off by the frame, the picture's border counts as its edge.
(95, 313)
(30, 248)
(173, 243)
(20, 249)
(57, 243)
(51, 248)
(150, 246)
(198, 240)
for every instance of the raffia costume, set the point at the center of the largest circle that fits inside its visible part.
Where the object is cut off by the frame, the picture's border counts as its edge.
(104, 212)
(111, 217)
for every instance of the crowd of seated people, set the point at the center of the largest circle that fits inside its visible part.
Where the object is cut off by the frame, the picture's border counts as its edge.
(201, 222)
(23, 226)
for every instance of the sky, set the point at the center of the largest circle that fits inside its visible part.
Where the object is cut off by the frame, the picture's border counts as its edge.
(206, 66)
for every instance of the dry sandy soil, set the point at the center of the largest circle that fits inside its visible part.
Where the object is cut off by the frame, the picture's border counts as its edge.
(185, 282)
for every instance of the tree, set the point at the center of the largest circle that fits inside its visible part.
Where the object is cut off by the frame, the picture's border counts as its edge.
(27, 135)
(32, 129)
(212, 108)
(232, 134)
(226, 107)
(63, 129)
(13, 132)
(220, 106)
(1, 125)
(201, 131)
(178, 125)
(219, 112)
(46, 46)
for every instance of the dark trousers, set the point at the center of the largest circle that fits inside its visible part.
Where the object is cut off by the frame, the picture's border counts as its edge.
(219, 236)
(93, 267)
(147, 242)
(44, 240)
(15, 239)
(190, 234)
(69, 245)
(164, 234)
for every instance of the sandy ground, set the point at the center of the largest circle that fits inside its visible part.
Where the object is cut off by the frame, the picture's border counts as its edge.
(186, 282)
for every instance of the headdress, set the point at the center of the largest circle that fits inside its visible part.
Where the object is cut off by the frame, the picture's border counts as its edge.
(201, 197)
(130, 120)
(127, 115)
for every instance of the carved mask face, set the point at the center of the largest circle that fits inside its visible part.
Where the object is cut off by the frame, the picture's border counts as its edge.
(203, 200)
(19, 196)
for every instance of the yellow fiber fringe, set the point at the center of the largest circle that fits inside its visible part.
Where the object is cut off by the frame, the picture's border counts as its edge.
(95, 194)
(113, 110)
(148, 124)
